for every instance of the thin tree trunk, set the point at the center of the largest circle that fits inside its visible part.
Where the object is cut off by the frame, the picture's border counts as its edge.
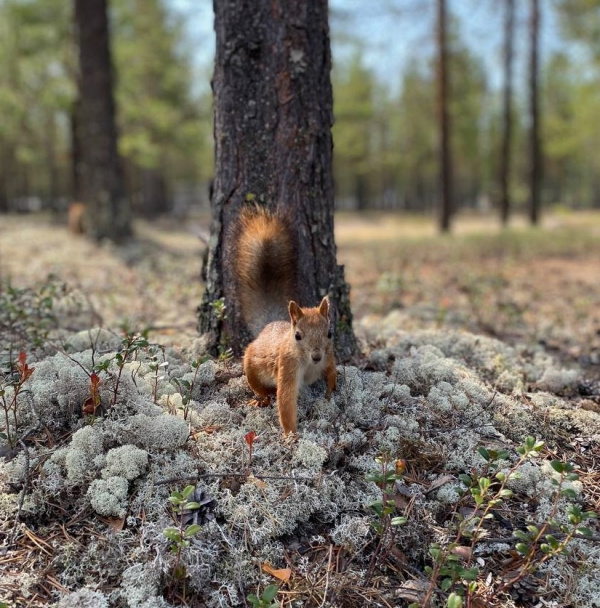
(446, 203)
(4, 173)
(535, 152)
(509, 28)
(361, 193)
(107, 210)
(50, 144)
(76, 160)
(154, 194)
(273, 145)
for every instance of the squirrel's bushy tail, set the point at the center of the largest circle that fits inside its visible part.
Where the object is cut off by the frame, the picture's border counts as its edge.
(265, 266)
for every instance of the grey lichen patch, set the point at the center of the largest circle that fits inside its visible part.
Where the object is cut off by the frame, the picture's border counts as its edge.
(98, 339)
(558, 380)
(435, 400)
(351, 531)
(140, 586)
(86, 445)
(84, 598)
(219, 413)
(126, 461)
(204, 376)
(310, 455)
(164, 432)
(109, 496)
(58, 388)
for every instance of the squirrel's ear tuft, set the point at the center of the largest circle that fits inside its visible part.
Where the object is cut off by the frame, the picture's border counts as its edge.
(324, 307)
(295, 312)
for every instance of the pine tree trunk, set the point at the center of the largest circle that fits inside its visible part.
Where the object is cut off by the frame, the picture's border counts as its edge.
(446, 204)
(4, 173)
(535, 163)
(76, 160)
(154, 194)
(107, 210)
(507, 112)
(51, 164)
(273, 117)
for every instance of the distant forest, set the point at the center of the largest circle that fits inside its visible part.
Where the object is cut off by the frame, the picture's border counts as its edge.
(386, 137)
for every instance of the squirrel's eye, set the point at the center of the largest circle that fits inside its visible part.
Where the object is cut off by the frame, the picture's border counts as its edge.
(298, 336)
(329, 334)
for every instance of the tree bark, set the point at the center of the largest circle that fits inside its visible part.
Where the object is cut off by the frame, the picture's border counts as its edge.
(154, 194)
(535, 175)
(4, 173)
(509, 28)
(107, 210)
(76, 160)
(51, 164)
(446, 203)
(273, 145)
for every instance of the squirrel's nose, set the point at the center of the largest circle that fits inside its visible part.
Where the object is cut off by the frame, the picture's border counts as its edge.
(316, 357)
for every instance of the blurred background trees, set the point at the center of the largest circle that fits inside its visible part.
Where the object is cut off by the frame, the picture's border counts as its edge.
(385, 81)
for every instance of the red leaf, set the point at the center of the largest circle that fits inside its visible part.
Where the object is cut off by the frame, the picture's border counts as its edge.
(24, 370)
(250, 437)
(89, 406)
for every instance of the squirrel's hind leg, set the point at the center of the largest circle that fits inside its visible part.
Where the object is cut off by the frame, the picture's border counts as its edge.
(263, 392)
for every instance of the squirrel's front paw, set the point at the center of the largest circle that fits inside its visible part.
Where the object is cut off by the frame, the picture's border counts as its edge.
(290, 438)
(263, 402)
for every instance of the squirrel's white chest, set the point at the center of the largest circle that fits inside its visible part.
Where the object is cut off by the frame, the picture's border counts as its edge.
(312, 372)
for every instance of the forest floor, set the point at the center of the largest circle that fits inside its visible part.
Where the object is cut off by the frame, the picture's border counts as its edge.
(472, 339)
(520, 284)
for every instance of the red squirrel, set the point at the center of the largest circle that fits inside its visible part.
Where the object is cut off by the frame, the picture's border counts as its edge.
(285, 354)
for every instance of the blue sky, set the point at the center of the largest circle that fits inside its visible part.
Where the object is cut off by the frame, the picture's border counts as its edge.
(396, 32)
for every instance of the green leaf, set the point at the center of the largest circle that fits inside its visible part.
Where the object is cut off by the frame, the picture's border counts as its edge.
(446, 584)
(552, 541)
(484, 454)
(559, 466)
(269, 593)
(172, 534)
(484, 483)
(522, 548)
(191, 530)
(569, 493)
(188, 491)
(398, 521)
(584, 531)
(377, 506)
(454, 601)
(521, 535)
(470, 574)
(466, 479)
(377, 527)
